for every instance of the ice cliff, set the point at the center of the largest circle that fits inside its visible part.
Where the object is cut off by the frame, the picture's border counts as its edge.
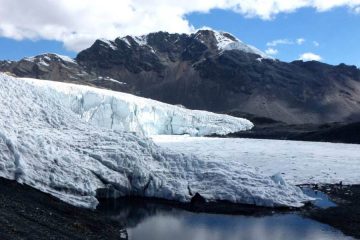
(121, 111)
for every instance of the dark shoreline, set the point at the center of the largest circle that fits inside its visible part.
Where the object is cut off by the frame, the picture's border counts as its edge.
(222, 207)
(26, 213)
(31, 214)
(346, 215)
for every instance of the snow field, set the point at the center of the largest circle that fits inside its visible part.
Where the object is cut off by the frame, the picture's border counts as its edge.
(296, 161)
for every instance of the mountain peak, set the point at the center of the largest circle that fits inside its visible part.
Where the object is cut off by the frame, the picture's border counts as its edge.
(226, 42)
(47, 58)
(214, 41)
(207, 70)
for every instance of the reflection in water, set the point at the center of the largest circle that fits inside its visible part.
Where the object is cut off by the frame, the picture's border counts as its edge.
(144, 220)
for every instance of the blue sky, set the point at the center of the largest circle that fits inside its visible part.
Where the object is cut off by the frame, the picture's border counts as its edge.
(15, 49)
(334, 35)
(337, 32)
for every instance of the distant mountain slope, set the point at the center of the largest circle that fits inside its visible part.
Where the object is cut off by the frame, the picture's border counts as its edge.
(348, 133)
(266, 128)
(212, 71)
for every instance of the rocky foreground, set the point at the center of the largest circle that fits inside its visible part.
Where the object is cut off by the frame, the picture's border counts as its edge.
(30, 214)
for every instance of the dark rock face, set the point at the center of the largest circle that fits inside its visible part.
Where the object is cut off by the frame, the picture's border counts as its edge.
(210, 71)
(197, 199)
(47, 66)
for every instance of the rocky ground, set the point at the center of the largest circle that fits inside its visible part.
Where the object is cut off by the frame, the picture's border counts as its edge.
(26, 213)
(346, 215)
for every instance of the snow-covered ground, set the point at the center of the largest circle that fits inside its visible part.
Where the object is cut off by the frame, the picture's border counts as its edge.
(296, 161)
(121, 111)
(44, 144)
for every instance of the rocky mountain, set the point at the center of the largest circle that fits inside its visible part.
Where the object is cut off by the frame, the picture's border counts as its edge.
(208, 70)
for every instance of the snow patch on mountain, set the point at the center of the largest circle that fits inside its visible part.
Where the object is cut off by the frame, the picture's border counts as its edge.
(141, 40)
(46, 145)
(45, 59)
(111, 80)
(65, 58)
(121, 111)
(225, 42)
(109, 43)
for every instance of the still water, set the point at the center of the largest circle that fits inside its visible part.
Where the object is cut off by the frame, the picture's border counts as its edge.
(150, 221)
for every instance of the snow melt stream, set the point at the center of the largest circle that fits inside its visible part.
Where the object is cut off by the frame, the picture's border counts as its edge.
(44, 144)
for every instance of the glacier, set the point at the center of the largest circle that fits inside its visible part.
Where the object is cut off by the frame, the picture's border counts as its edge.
(126, 112)
(46, 145)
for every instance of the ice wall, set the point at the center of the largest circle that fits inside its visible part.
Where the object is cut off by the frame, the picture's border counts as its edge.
(121, 111)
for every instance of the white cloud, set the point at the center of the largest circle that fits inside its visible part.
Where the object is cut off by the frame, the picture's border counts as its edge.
(316, 44)
(310, 57)
(276, 42)
(268, 9)
(271, 51)
(77, 23)
(300, 41)
(285, 41)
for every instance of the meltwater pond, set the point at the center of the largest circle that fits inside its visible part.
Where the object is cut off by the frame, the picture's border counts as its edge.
(140, 220)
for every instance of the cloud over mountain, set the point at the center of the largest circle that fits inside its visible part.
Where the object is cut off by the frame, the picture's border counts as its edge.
(77, 23)
(310, 57)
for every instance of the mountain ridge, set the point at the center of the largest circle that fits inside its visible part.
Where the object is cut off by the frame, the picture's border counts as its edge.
(212, 71)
